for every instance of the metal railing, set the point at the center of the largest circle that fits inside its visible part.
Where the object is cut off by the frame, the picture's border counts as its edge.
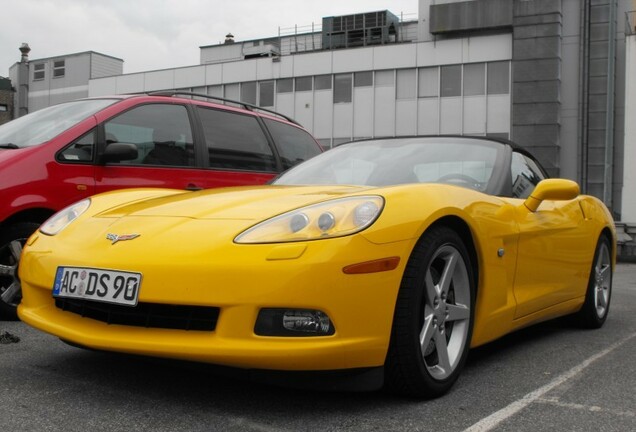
(292, 40)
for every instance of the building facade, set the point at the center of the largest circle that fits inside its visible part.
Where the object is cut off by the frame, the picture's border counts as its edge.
(6, 100)
(552, 75)
(49, 81)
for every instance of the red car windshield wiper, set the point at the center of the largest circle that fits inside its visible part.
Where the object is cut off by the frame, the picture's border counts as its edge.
(9, 146)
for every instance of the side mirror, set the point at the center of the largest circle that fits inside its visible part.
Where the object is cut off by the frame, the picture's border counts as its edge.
(552, 189)
(117, 152)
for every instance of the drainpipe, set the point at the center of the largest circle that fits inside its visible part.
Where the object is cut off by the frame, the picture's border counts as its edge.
(609, 117)
(584, 77)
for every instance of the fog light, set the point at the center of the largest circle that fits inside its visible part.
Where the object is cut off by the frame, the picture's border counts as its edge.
(306, 321)
(293, 322)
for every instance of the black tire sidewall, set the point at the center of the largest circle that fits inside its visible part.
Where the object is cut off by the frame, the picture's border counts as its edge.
(406, 343)
(20, 230)
(588, 316)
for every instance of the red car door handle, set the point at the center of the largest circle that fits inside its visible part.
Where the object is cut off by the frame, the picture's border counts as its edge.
(193, 187)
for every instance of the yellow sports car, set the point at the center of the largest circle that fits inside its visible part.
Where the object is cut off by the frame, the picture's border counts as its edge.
(380, 261)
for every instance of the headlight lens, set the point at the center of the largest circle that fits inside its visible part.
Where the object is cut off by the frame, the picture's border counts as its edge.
(63, 218)
(334, 218)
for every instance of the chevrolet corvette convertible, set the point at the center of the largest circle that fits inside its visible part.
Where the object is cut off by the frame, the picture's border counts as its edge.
(383, 260)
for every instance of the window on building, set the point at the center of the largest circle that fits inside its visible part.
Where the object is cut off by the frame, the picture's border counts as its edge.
(342, 88)
(59, 68)
(428, 84)
(384, 78)
(451, 81)
(285, 85)
(363, 79)
(304, 84)
(38, 71)
(235, 141)
(232, 91)
(215, 90)
(323, 82)
(405, 88)
(248, 92)
(266, 93)
(4, 108)
(161, 133)
(499, 77)
(474, 79)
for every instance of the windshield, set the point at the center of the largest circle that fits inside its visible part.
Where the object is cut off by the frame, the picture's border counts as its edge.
(462, 161)
(40, 126)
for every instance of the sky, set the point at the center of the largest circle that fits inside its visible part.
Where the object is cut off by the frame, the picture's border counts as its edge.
(160, 34)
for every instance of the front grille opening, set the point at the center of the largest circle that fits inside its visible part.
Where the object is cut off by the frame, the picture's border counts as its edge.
(151, 315)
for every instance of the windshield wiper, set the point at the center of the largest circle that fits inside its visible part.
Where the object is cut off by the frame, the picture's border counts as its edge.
(9, 146)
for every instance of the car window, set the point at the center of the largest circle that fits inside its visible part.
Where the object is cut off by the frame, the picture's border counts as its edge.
(41, 126)
(525, 175)
(235, 141)
(161, 132)
(81, 150)
(294, 144)
(468, 163)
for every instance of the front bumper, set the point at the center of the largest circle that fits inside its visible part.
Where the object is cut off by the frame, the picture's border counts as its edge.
(239, 280)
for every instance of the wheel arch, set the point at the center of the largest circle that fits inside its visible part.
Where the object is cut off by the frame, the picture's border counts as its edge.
(607, 232)
(461, 227)
(35, 215)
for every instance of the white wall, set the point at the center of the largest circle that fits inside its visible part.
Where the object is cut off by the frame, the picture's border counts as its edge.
(374, 111)
(628, 212)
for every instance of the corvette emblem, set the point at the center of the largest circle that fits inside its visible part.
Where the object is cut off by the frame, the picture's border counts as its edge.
(114, 238)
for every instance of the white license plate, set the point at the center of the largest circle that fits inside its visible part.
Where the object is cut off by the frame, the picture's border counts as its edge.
(109, 286)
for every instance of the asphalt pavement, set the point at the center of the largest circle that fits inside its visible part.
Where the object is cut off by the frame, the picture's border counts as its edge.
(550, 377)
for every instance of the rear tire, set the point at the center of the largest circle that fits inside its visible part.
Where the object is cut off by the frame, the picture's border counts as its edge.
(594, 311)
(434, 314)
(12, 238)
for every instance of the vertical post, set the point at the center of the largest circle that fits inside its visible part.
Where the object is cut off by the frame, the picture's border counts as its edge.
(608, 182)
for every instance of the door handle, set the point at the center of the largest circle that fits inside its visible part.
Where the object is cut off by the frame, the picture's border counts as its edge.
(193, 187)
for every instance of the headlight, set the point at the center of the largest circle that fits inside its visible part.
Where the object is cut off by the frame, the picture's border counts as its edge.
(334, 218)
(61, 219)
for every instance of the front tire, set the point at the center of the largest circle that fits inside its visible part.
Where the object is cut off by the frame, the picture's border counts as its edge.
(434, 314)
(594, 311)
(11, 241)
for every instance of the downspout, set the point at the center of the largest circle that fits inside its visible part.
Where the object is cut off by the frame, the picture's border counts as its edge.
(584, 79)
(608, 183)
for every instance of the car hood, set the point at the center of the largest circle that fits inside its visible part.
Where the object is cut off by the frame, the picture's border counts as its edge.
(245, 203)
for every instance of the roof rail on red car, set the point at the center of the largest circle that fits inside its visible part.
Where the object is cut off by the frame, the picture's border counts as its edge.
(245, 105)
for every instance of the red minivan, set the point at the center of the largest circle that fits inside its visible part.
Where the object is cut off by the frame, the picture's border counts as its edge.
(63, 153)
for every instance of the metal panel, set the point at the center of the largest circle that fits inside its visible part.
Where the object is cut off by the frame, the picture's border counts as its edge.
(189, 77)
(451, 115)
(475, 112)
(405, 117)
(159, 80)
(343, 120)
(384, 112)
(428, 116)
(363, 112)
(323, 113)
(476, 15)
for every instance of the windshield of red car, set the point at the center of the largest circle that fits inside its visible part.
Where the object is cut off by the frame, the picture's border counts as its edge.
(462, 161)
(43, 125)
